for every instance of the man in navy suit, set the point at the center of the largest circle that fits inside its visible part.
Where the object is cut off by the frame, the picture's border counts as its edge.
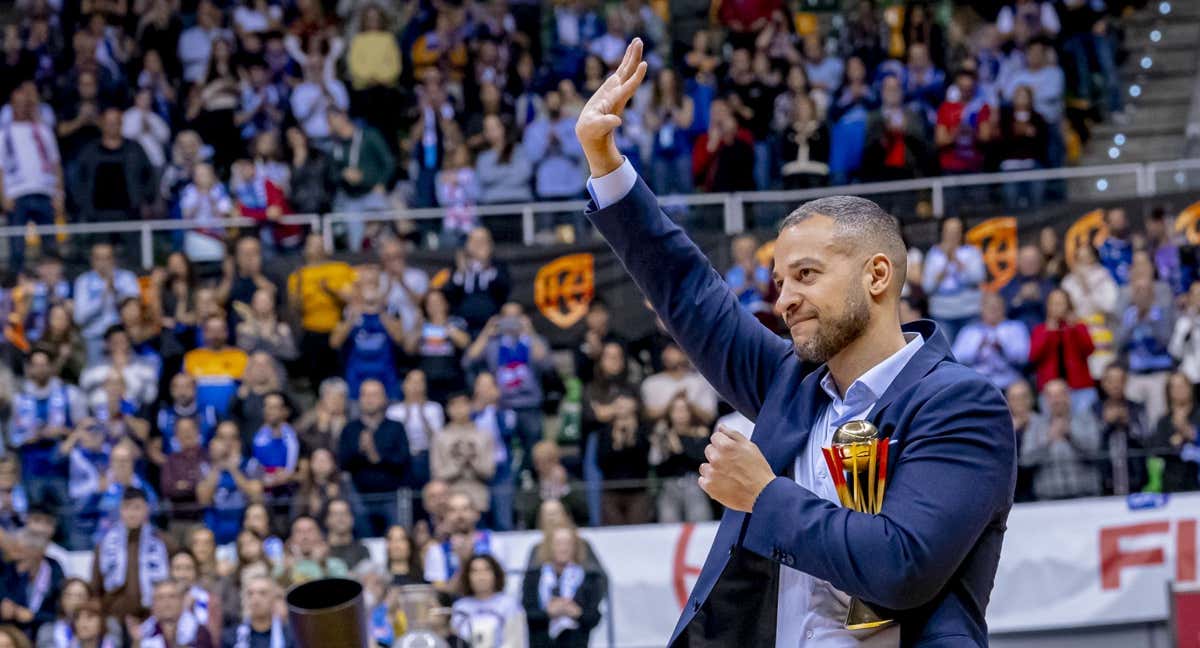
(787, 557)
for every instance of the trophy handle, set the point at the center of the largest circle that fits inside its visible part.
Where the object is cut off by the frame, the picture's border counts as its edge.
(860, 616)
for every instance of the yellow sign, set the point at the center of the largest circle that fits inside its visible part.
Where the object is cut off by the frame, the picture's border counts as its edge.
(563, 288)
(1090, 229)
(1188, 223)
(996, 238)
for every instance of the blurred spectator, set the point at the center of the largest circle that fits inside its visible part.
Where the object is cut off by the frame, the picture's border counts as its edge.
(670, 117)
(1024, 137)
(101, 509)
(551, 482)
(204, 201)
(921, 27)
(196, 42)
(953, 272)
(1174, 439)
(63, 343)
(1059, 349)
(437, 340)
(1021, 20)
(204, 605)
(32, 179)
(678, 376)
(562, 598)
(503, 168)
(623, 459)
(1020, 399)
(676, 452)
(597, 333)
(479, 285)
(307, 555)
(43, 412)
(403, 285)
(749, 279)
(317, 292)
(261, 107)
(458, 538)
(313, 100)
(323, 484)
(212, 104)
(320, 426)
(550, 140)
(182, 474)
(996, 347)
(14, 501)
(311, 188)
(1044, 81)
(261, 198)
(1087, 38)
(1185, 339)
(181, 403)
(262, 625)
(805, 147)
(140, 377)
(276, 447)
(97, 295)
(363, 165)
(12, 637)
(129, 560)
(723, 157)
(367, 337)
(230, 483)
(423, 422)
(896, 138)
(32, 582)
(1144, 334)
(260, 330)
(1124, 429)
(1054, 255)
(499, 423)
(457, 190)
(171, 624)
(73, 595)
(339, 521)
(1060, 447)
(512, 351)
(923, 80)
(402, 558)
(486, 614)
(1116, 252)
(964, 126)
(114, 178)
(1026, 293)
(374, 450)
(217, 367)
(462, 454)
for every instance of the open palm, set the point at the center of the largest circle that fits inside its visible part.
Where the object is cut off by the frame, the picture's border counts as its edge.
(602, 113)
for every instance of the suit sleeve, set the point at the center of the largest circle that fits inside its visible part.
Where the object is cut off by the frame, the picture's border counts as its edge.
(735, 353)
(952, 477)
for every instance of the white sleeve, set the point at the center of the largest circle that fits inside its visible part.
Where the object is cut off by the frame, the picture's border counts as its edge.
(611, 188)
(435, 565)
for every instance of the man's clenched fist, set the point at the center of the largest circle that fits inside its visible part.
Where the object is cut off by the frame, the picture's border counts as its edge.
(736, 471)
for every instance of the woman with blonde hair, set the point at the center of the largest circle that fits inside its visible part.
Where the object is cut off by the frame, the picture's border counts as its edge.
(562, 597)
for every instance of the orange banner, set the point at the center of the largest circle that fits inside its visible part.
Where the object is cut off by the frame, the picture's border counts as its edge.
(563, 288)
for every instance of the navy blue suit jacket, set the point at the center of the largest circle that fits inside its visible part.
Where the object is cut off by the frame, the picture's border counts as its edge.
(929, 558)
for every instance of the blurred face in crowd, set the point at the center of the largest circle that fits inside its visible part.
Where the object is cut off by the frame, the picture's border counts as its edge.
(260, 598)
(1058, 306)
(249, 547)
(263, 304)
(1194, 295)
(58, 321)
(918, 56)
(597, 318)
(203, 545)
(483, 580)
(38, 369)
(227, 431)
(216, 332)
(86, 87)
(256, 520)
(103, 260)
(679, 414)
(1085, 256)
(399, 545)
(435, 498)
(306, 535)
(187, 433)
(856, 70)
(1142, 266)
(414, 386)
(393, 256)
(248, 256)
(338, 518)
(134, 512)
(721, 117)
(1058, 398)
(966, 86)
(372, 398)
(437, 309)
(813, 51)
(494, 131)
(183, 569)
(553, 514)
(208, 15)
(952, 233)
(563, 544)
(1141, 293)
(743, 248)
(121, 465)
(612, 360)
(204, 177)
(117, 343)
(1022, 99)
(167, 603)
(74, 594)
(322, 464)
(87, 626)
(992, 309)
(314, 249)
(797, 80)
(673, 359)
(461, 515)
(1029, 261)
(553, 103)
(459, 409)
(1112, 382)
(340, 124)
(110, 124)
(1020, 399)
(479, 245)
(275, 410)
(486, 390)
(1117, 222)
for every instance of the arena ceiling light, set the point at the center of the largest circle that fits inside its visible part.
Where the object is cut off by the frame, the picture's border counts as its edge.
(1119, 139)
(1114, 153)
(1102, 184)
(1164, 8)
(1155, 36)
(1135, 90)
(1147, 62)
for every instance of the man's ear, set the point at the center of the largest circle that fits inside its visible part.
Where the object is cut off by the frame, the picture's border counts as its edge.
(881, 274)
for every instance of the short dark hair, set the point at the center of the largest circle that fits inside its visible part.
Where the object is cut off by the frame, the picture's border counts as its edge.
(497, 573)
(858, 221)
(133, 493)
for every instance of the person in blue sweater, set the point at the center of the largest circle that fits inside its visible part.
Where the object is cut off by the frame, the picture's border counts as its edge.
(787, 557)
(276, 446)
(367, 338)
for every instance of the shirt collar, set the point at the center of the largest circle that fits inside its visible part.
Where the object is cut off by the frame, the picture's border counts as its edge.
(872, 384)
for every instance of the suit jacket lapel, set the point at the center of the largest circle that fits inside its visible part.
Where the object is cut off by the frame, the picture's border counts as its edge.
(930, 354)
(781, 448)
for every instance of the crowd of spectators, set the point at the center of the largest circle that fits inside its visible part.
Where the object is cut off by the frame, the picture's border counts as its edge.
(215, 430)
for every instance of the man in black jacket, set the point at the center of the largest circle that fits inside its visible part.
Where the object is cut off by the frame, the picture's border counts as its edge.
(114, 180)
(374, 451)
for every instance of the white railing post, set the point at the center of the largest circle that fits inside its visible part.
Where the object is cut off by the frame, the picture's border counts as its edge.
(735, 214)
(147, 247)
(939, 198)
(527, 225)
(1151, 171)
(327, 233)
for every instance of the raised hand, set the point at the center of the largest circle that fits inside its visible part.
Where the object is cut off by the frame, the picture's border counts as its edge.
(602, 113)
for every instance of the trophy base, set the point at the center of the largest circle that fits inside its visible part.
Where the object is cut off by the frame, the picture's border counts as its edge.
(860, 616)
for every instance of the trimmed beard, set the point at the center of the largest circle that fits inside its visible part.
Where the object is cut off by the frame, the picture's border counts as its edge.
(834, 335)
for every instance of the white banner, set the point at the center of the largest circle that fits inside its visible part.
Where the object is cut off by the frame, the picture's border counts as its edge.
(1064, 565)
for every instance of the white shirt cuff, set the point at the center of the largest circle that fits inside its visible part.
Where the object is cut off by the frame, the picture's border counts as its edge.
(611, 188)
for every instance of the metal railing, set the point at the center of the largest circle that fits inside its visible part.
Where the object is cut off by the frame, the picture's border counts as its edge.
(1144, 180)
